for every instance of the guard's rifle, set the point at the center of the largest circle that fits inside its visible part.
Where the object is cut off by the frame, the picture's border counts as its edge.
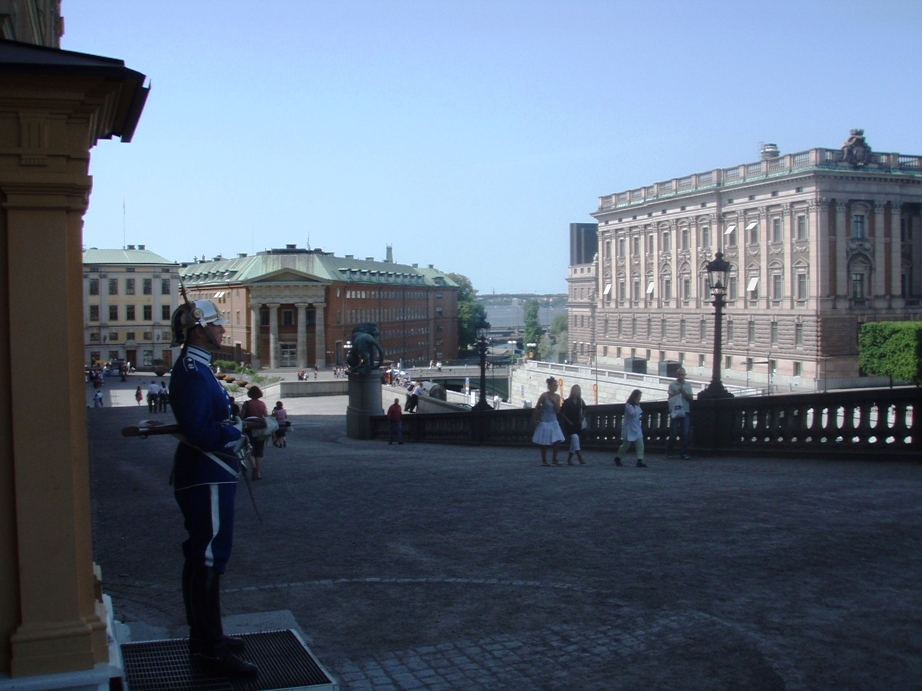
(147, 428)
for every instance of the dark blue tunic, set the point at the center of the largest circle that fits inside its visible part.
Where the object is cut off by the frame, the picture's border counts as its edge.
(204, 473)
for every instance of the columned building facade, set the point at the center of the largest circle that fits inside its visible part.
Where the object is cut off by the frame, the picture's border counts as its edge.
(296, 308)
(819, 242)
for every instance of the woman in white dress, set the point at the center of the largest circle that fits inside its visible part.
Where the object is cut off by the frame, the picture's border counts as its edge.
(547, 429)
(631, 430)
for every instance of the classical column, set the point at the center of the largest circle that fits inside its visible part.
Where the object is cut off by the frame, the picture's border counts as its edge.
(764, 277)
(787, 231)
(896, 257)
(821, 260)
(302, 334)
(881, 260)
(273, 335)
(254, 333)
(54, 110)
(841, 286)
(320, 335)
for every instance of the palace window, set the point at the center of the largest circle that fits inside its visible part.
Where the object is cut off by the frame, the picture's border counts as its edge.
(858, 285)
(777, 286)
(753, 287)
(94, 313)
(799, 335)
(148, 313)
(113, 313)
(113, 286)
(94, 286)
(732, 287)
(147, 286)
(129, 313)
(859, 230)
(802, 227)
(777, 231)
(129, 286)
(753, 230)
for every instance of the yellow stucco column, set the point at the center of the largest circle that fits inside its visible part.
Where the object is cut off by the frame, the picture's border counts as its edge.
(54, 105)
(62, 625)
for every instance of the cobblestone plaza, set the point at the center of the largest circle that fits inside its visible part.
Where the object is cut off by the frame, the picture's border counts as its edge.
(447, 567)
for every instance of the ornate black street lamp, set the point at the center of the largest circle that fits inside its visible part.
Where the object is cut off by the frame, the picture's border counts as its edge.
(718, 270)
(483, 332)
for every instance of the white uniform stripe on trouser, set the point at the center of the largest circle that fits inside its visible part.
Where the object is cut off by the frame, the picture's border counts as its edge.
(215, 502)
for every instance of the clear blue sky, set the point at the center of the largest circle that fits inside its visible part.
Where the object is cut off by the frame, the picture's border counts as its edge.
(468, 134)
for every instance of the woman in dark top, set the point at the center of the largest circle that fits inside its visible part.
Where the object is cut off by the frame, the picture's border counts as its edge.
(572, 413)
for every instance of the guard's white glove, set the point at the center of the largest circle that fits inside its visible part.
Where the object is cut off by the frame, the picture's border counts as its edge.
(238, 444)
(235, 447)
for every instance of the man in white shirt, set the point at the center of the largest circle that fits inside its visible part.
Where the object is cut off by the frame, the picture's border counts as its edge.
(680, 391)
(153, 393)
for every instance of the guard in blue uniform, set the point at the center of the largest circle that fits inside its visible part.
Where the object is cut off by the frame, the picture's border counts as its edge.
(205, 471)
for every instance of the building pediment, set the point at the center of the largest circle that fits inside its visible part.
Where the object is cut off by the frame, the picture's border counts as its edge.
(288, 275)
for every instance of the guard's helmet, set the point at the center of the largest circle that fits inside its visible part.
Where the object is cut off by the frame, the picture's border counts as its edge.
(190, 315)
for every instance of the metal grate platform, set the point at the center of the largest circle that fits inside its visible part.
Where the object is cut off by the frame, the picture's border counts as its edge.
(284, 663)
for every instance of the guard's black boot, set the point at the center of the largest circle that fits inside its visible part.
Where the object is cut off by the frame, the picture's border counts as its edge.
(210, 650)
(221, 662)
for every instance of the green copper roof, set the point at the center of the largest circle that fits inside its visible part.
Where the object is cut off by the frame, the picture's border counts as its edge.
(130, 256)
(307, 266)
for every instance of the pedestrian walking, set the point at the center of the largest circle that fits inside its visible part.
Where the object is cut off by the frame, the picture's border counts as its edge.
(395, 423)
(547, 430)
(680, 398)
(138, 396)
(280, 415)
(153, 397)
(572, 414)
(631, 429)
(97, 400)
(163, 398)
(256, 408)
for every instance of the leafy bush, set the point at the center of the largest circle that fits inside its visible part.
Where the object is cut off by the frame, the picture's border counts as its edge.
(891, 349)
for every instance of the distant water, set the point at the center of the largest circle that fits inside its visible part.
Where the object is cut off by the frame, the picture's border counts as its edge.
(511, 316)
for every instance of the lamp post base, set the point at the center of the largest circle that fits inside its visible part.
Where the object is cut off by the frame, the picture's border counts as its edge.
(714, 390)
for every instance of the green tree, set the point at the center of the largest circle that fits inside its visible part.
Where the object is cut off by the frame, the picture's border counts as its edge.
(532, 323)
(558, 339)
(891, 349)
(470, 312)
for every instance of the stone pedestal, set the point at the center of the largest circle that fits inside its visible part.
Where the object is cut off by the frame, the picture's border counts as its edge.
(364, 401)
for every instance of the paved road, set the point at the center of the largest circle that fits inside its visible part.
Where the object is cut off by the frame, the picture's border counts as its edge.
(434, 567)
